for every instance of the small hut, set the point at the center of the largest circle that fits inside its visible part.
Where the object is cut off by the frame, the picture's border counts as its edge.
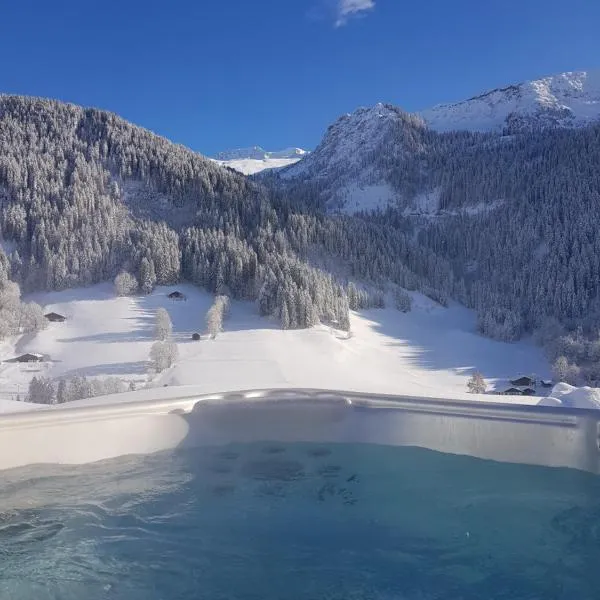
(196, 337)
(177, 295)
(55, 317)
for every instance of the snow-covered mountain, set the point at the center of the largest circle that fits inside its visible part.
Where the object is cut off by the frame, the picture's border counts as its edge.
(566, 100)
(346, 166)
(382, 156)
(255, 159)
(258, 153)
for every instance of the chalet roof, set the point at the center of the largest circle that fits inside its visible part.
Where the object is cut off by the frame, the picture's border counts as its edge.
(527, 391)
(54, 314)
(26, 356)
(523, 380)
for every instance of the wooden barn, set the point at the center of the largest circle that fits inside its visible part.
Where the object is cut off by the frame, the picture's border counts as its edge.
(55, 317)
(177, 295)
(512, 392)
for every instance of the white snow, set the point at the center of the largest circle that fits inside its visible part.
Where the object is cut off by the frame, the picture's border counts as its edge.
(255, 159)
(567, 395)
(258, 153)
(251, 166)
(431, 351)
(569, 100)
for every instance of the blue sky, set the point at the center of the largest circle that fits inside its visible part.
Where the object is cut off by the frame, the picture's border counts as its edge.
(220, 74)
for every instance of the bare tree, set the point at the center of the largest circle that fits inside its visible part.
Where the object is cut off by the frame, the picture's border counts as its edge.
(163, 326)
(32, 318)
(477, 385)
(564, 371)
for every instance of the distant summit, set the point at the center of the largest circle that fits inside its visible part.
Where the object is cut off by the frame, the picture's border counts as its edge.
(256, 159)
(566, 100)
(258, 153)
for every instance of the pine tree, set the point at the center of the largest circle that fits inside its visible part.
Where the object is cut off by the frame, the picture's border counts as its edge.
(61, 392)
(147, 276)
(285, 317)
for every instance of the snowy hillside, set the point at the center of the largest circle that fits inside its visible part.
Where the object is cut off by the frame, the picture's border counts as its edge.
(381, 156)
(565, 100)
(255, 159)
(430, 351)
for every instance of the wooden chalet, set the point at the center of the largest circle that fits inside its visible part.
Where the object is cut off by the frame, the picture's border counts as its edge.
(29, 357)
(177, 295)
(55, 317)
(513, 391)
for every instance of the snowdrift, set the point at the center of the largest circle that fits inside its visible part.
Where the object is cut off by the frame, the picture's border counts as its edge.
(569, 396)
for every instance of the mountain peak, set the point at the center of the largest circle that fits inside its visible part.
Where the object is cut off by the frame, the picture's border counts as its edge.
(570, 99)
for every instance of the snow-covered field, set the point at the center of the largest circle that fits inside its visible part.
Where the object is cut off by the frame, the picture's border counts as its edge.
(430, 351)
(250, 161)
(251, 166)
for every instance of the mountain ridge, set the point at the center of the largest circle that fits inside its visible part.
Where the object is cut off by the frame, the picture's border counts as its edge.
(381, 156)
(569, 99)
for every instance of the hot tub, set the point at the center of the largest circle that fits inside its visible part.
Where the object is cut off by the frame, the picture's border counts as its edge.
(299, 494)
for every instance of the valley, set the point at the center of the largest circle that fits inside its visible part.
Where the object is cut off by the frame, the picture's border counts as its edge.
(433, 210)
(431, 351)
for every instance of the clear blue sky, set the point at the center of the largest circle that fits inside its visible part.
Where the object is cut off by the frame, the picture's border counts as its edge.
(217, 74)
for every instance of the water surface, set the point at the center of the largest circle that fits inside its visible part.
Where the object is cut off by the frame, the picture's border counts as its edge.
(301, 521)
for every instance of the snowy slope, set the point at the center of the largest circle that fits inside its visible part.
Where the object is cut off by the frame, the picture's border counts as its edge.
(431, 351)
(565, 100)
(254, 160)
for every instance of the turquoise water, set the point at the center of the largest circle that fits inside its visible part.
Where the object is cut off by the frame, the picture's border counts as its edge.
(300, 521)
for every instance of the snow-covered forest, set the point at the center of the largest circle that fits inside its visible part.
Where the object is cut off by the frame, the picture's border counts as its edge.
(85, 196)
